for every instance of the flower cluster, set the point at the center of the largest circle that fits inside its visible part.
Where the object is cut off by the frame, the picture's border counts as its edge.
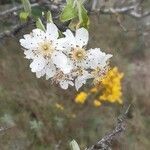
(65, 60)
(81, 97)
(108, 89)
(112, 86)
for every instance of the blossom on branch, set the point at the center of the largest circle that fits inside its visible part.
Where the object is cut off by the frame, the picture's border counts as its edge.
(66, 60)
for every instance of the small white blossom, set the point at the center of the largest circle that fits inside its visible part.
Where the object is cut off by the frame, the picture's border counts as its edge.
(97, 58)
(74, 47)
(82, 78)
(64, 80)
(49, 70)
(97, 64)
(65, 83)
(41, 48)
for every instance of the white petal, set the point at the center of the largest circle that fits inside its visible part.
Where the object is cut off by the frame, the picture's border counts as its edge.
(39, 34)
(27, 36)
(38, 64)
(29, 43)
(64, 84)
(29, 54)
(50, 70)
(71, 83)
(103, 62)
(80, 80)
(78, 83)
(61, 61)
(41, 73)
(95, 58)
(52, 31)
(69, 34)
(70, 37)
(64, 45)
(82, 37)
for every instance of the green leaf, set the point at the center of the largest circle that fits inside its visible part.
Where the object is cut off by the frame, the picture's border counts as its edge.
(74, 145)
(37, 12)
(73, 10)
(49, 17)
(27, 6)
(23, 15)
(39, 24)
(83, 16)
(69, 12)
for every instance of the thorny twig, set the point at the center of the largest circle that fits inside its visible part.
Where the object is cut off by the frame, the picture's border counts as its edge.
(105, 142)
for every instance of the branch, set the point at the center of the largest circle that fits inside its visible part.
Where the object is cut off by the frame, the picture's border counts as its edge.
(14, 9)
(15, 29)
(105, 142)
(132, 10)
(138, 15)
(51, 5)
(116, 10)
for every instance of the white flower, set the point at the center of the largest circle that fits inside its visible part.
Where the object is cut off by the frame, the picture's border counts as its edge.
(98, 63)
(49, 70)
(97, 58)
(81, 79)
(77, 77)
(65, 60)
(74, 47)
(98, 73)
(65, 83)
(41, 47)
(64, 80)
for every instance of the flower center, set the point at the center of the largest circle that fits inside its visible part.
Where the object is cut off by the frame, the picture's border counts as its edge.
(46, 48)
(78, 54)
(98, 74)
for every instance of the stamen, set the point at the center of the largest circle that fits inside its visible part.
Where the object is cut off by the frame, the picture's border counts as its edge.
(77, 54)
(46, 48)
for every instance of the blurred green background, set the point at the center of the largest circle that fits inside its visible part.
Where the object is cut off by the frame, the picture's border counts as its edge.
(28, 105)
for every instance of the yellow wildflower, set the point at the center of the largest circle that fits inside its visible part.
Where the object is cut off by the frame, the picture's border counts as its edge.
(94, 90)
(81, 97)
(108, 85)
(112, 86)
(59, 106)
(97, 103)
